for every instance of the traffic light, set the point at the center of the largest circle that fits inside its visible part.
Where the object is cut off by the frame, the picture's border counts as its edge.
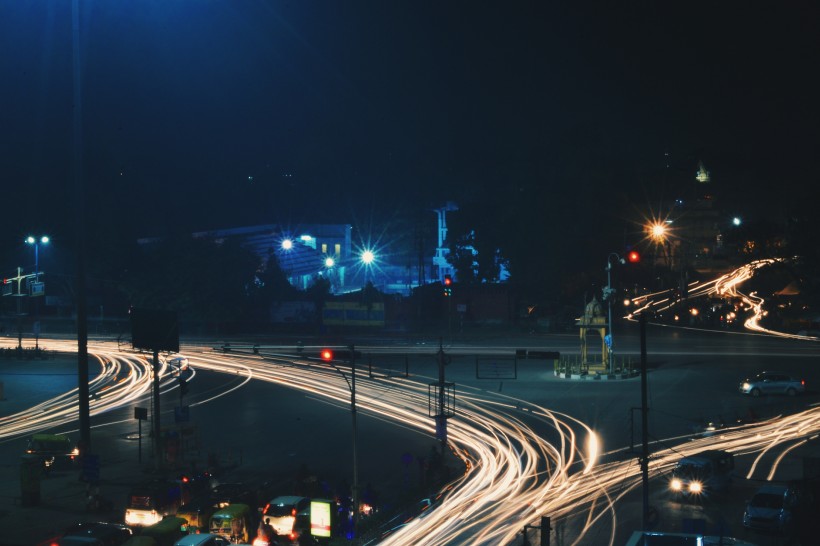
(183, 386)
(327, 355)
(633, 257)
(448, 282)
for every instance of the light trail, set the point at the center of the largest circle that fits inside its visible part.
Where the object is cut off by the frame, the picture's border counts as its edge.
(521, 460)
(515, 471)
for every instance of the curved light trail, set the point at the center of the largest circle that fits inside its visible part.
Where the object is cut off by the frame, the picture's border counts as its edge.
(521, 460)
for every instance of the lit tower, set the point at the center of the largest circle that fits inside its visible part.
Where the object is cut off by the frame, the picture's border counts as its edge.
(443, 267)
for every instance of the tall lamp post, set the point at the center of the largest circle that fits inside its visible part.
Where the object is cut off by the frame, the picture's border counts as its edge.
(31, 240)
(36, 242)
(608, 293)
(367, 257)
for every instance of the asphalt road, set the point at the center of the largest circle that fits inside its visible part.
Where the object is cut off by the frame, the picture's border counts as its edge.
(272, 432)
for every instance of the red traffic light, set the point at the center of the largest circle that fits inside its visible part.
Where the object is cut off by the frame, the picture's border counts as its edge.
(326, 354)
(448, 280)
(633, 257)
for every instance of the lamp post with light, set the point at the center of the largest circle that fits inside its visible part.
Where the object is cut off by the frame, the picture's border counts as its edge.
(367, 257)
(608, 293)
(35, 287)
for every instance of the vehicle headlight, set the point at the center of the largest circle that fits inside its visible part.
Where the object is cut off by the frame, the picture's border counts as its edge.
(695, 487)
(676, 485)
(746, 386)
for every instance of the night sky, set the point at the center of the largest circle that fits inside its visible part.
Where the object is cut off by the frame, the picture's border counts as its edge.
(207, 114)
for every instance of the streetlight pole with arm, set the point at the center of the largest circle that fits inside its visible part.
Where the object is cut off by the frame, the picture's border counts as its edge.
(609, 292)
(31, 240)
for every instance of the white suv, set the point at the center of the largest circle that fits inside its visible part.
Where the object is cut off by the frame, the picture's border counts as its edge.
(281, 513)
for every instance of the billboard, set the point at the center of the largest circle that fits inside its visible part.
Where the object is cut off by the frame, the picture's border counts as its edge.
(320, 513)
(154, 330)
(347, 313)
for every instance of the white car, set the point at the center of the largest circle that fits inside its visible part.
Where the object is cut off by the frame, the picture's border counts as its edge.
(281, 514)
(770, 509)
(772, 383)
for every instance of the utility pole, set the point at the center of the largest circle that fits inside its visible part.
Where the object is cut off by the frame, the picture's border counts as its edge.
(441, 399)
(79, 210)
(355, 441)
(157, 430)
(644, 426)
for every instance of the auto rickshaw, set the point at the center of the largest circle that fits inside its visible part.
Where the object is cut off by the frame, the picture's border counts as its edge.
(197, 514)
(165, 532)
(233, 522)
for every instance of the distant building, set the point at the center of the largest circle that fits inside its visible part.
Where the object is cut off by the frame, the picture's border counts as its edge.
(695, 241)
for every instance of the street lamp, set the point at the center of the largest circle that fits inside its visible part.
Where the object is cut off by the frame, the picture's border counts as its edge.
(609, 293)
(31, 240)
(657, 231)
(367, 257)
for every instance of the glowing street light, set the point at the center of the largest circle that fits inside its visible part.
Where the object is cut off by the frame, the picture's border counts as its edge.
(657, 231)
(329, 262)
(368, 257)
(36, 242)
(31, 240)
(287, 244)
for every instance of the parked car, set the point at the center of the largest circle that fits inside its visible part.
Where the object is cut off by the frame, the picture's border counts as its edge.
(772, 383)
(771, 508)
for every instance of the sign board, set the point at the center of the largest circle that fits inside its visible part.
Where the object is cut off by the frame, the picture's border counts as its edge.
(154, 330)
(320, 513)
(141, 413)
(37, 288)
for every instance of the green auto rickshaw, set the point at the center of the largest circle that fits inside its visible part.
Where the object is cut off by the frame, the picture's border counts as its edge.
(166, 531)
(234, 522)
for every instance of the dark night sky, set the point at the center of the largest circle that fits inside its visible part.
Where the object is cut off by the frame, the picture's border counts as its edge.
(346, 110)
